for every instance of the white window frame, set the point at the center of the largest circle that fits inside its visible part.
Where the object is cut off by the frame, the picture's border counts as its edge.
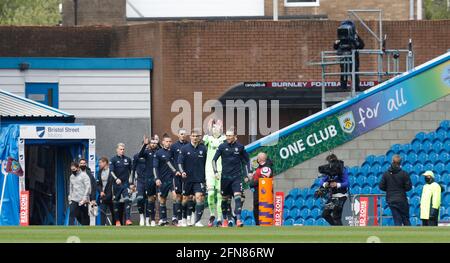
(302, 4)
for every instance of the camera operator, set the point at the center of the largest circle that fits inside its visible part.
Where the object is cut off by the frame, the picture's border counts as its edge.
(348, 40)
(333, 187)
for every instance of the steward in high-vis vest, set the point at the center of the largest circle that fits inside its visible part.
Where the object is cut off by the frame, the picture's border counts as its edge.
(430, 202)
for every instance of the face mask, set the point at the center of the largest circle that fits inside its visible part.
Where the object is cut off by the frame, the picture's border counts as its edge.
(428, 180)
(83, 168)
(74, 172)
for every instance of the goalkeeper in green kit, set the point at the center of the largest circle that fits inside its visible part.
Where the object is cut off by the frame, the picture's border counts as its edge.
(212, 140)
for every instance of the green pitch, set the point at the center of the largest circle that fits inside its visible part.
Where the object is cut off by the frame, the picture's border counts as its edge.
(245, 234)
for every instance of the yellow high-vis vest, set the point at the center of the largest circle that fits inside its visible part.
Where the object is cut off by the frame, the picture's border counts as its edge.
(431, 198)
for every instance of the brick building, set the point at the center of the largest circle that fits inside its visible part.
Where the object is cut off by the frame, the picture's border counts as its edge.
(118, 12)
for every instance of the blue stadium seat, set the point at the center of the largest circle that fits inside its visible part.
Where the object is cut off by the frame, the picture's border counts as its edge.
(447, 211)
(420, 136)
(406, 148)
(372, 180)
(304, 192)
(445, 124)
(446, 199)
(418, 189)
(439, 168)
(418, 168)
(380, 159)
(446, 178)
(415, 201)
(431, 136)
(365, 168)
(385, 167)
(289, 222)
(295, 193)
(370, 159)
(433, 157)
(300, 203)
(444, 157)
(387, 222)
(366, 190)
(285, 213)
(407, 167)
(415, 221)
(437, 176)
(387, 212)
(412, 158)
(309, 202)
(289, 203)
(416, 145)
(376, 190)
(299, 221)
(414, 179)
(428, 167)
(244, 213)
(389, 155)
(412, 211)
(304, 213)
(249, 222)
(376, 168)
(396, 148)
(352, 180)
(447, 167)
(310, 222)
(447, 145)
(355, 190)
(355, 185)
(294, 213)
(311, 193)
(427, 145)
(361, 180)
(316, 213)
(322, 222)
(438, 146)
(318, 203)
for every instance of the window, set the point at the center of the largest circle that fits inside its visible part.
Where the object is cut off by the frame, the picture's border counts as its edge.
(289, 3)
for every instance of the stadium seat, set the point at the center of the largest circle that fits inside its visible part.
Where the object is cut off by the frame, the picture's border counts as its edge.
(447, 211)
(428, 166)
(244, 214)
(406, 148)
(316, 213)
(376, 190)
(322, 222)
(446, 178)
(249, 222)
(396, 148)
(444, 157)
(316, 183)
(412, 158)
(415, 201)
(361, 180)
(294, 213)
(433, 157)
(295, 193)
(372, 180)
(414, 179)
(431, 136)
(416, 145)
(304, 213)
(311, 193)
(437, 176)
(386, 166)
(309, 202)
(304, 192)
(310, 222)
(438, 146)
(427, 146)
(439, 168)
(418, 189)
(370, 159)
(420, 136)
(418, 168)
(300, 203)
(355, 190)
(387, 221)
(352, 180)
(376, 168)
(366, 190)
(447, 145)
(422, 156)
(299, 221)
(407, 167)
(318, 203)
(389, 155)
(364, 168)
(285, 213)
(380, 159)
(415, 221)
(447, 167)
(446, 198)
(445, 124)
(289, 203)
(289, 222)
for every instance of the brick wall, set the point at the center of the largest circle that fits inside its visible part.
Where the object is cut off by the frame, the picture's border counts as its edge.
(213, 56)
(337, 9)
(95, 12)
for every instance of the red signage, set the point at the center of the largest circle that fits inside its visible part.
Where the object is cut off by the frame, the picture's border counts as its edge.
(363, 210)
(24, 208)
(278, 209)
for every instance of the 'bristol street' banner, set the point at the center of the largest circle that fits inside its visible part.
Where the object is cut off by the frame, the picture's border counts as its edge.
(347, 120)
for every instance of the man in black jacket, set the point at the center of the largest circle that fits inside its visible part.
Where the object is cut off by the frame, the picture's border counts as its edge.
(396, 183)
(104, 187)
